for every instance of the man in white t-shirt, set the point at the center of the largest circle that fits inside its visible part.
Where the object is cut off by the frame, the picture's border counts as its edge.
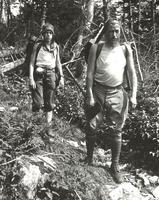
(104, 85)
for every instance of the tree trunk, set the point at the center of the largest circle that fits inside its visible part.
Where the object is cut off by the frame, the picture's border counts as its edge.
(3, 12)
(9, 16)
(154, 31)
(139, 29)
(130, 16)
(43, 19)
(105, 10)
(84, 25)
(123, 18)
(90, 13)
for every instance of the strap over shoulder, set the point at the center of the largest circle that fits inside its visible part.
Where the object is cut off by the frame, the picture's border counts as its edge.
(99, 48)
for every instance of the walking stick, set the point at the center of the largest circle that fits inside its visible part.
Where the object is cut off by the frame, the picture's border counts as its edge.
(137, 58)
(136, 53)
(75, 81)
(126, 71)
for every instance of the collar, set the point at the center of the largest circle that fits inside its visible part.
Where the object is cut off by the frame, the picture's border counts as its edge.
(53, 46)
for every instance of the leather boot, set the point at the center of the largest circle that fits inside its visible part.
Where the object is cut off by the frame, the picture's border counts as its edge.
(116, 143)
(90, 143)
(115, 173)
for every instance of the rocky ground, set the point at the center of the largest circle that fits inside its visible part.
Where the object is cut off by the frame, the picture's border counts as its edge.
(37, 167)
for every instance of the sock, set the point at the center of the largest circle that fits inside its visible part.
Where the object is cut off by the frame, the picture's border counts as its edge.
(116, 143)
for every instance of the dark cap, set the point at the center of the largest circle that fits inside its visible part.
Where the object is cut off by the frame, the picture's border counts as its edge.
(48, 27)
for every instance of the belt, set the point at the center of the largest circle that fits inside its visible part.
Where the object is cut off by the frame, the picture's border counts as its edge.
(42, 69)
(106, 86)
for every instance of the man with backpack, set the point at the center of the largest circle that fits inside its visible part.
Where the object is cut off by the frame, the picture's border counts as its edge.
(44, 65)
(104, 88)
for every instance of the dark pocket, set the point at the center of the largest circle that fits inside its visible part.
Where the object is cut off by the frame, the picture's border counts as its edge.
(50, 80)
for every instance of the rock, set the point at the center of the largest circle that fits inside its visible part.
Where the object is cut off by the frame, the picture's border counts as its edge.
(31, 176)
(30, 171)
(14, 108)
(144, 178)
(101, 152)
(83, 143)
(156, 192)
(126, 191)
(73, 143)
(2, 109)
(154, 179)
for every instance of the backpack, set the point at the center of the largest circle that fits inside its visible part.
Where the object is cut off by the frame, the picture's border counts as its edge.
(29, 50)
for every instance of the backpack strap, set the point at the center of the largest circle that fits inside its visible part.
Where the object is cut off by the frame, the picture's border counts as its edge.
(99, 48)
(126, 73)
(37, 51)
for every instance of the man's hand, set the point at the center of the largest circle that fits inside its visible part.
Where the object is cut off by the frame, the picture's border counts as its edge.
(32, 83)
(133, 102)
(90, 101)
(61, 85)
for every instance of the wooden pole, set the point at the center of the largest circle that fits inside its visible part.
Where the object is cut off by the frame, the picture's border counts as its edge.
(137, 58)
(43, 19)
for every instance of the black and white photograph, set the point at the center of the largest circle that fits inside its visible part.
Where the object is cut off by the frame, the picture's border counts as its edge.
(79, 100)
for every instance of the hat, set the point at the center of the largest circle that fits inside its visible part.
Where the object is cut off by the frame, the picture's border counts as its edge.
(48, 27)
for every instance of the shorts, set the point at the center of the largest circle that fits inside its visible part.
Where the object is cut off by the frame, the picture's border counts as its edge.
(114, 106)
(43, 96)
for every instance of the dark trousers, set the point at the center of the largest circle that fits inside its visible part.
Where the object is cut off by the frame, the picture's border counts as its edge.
(43, 96)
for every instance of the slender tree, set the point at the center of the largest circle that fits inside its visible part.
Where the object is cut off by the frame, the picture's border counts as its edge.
(154, 31)
(139, 21)
(130, 16)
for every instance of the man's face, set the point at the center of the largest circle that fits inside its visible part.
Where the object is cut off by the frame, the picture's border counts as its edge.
(112, 34)
(48, 36)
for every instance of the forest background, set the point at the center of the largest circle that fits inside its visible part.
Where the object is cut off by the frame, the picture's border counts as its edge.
(76, 22)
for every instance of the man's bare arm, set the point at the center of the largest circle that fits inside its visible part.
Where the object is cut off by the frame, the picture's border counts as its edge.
(58, 63)
(132, 72)
(90, 74)
(59, 66)
(32, 62)
(31, 67)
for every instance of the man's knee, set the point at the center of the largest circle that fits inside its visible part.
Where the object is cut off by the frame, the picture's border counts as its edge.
(116, 134)
(90, 131)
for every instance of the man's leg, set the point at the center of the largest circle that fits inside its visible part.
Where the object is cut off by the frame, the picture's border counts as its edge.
(49, 116)
(90, 144)
(91, 129)
(116, 143)
(117, 115)
(37, 97)
(49, 99)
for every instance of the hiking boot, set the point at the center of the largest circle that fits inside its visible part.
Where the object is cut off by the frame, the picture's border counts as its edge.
(115, 173)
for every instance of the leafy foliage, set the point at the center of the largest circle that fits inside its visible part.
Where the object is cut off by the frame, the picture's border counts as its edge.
(142, 132)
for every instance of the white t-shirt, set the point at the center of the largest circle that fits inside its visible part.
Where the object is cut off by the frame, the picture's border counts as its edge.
(110, 66)
(45, 58)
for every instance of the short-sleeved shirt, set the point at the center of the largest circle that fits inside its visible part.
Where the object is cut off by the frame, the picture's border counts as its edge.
(110, 67)
(47, 58)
